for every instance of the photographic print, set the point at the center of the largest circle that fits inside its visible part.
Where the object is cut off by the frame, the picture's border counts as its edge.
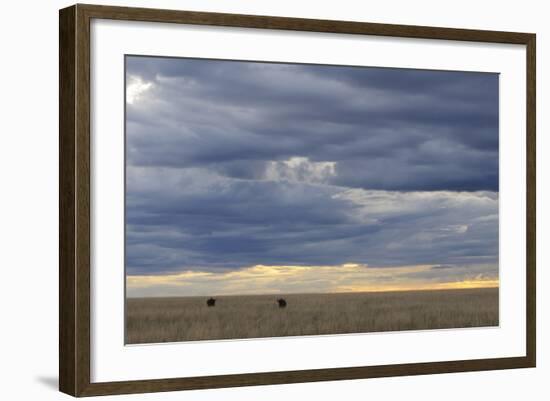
(314, 199)
(280, 199)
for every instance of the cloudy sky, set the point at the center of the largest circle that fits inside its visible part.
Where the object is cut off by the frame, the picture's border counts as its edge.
(246, 177)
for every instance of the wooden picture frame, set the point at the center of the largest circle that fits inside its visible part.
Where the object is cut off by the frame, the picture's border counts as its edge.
(74, 200)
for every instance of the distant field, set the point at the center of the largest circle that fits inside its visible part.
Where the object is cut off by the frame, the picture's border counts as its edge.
(151, 320)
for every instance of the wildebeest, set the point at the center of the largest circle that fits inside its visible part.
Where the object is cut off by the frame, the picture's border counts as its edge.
(211, 302)
(281, 302)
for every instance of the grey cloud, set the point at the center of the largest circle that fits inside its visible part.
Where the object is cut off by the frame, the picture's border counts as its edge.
(440, 126)
(203, 221)
(209, 187)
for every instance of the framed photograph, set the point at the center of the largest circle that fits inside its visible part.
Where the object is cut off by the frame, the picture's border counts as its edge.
(250, 200)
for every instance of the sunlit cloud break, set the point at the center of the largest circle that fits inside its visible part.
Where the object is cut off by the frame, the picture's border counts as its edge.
(285, 279)
(300, 169)
(136, 88)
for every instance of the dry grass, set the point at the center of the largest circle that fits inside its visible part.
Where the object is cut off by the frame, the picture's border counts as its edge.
(188, 318)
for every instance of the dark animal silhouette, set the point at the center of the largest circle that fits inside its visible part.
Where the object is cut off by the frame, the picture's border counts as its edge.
(211, 302)
(281, 302)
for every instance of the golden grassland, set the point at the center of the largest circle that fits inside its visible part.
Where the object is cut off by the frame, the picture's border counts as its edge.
(153, 320)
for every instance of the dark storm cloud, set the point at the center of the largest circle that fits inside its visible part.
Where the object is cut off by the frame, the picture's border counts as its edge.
(437, 130)
(198, 220)
(232, 164)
